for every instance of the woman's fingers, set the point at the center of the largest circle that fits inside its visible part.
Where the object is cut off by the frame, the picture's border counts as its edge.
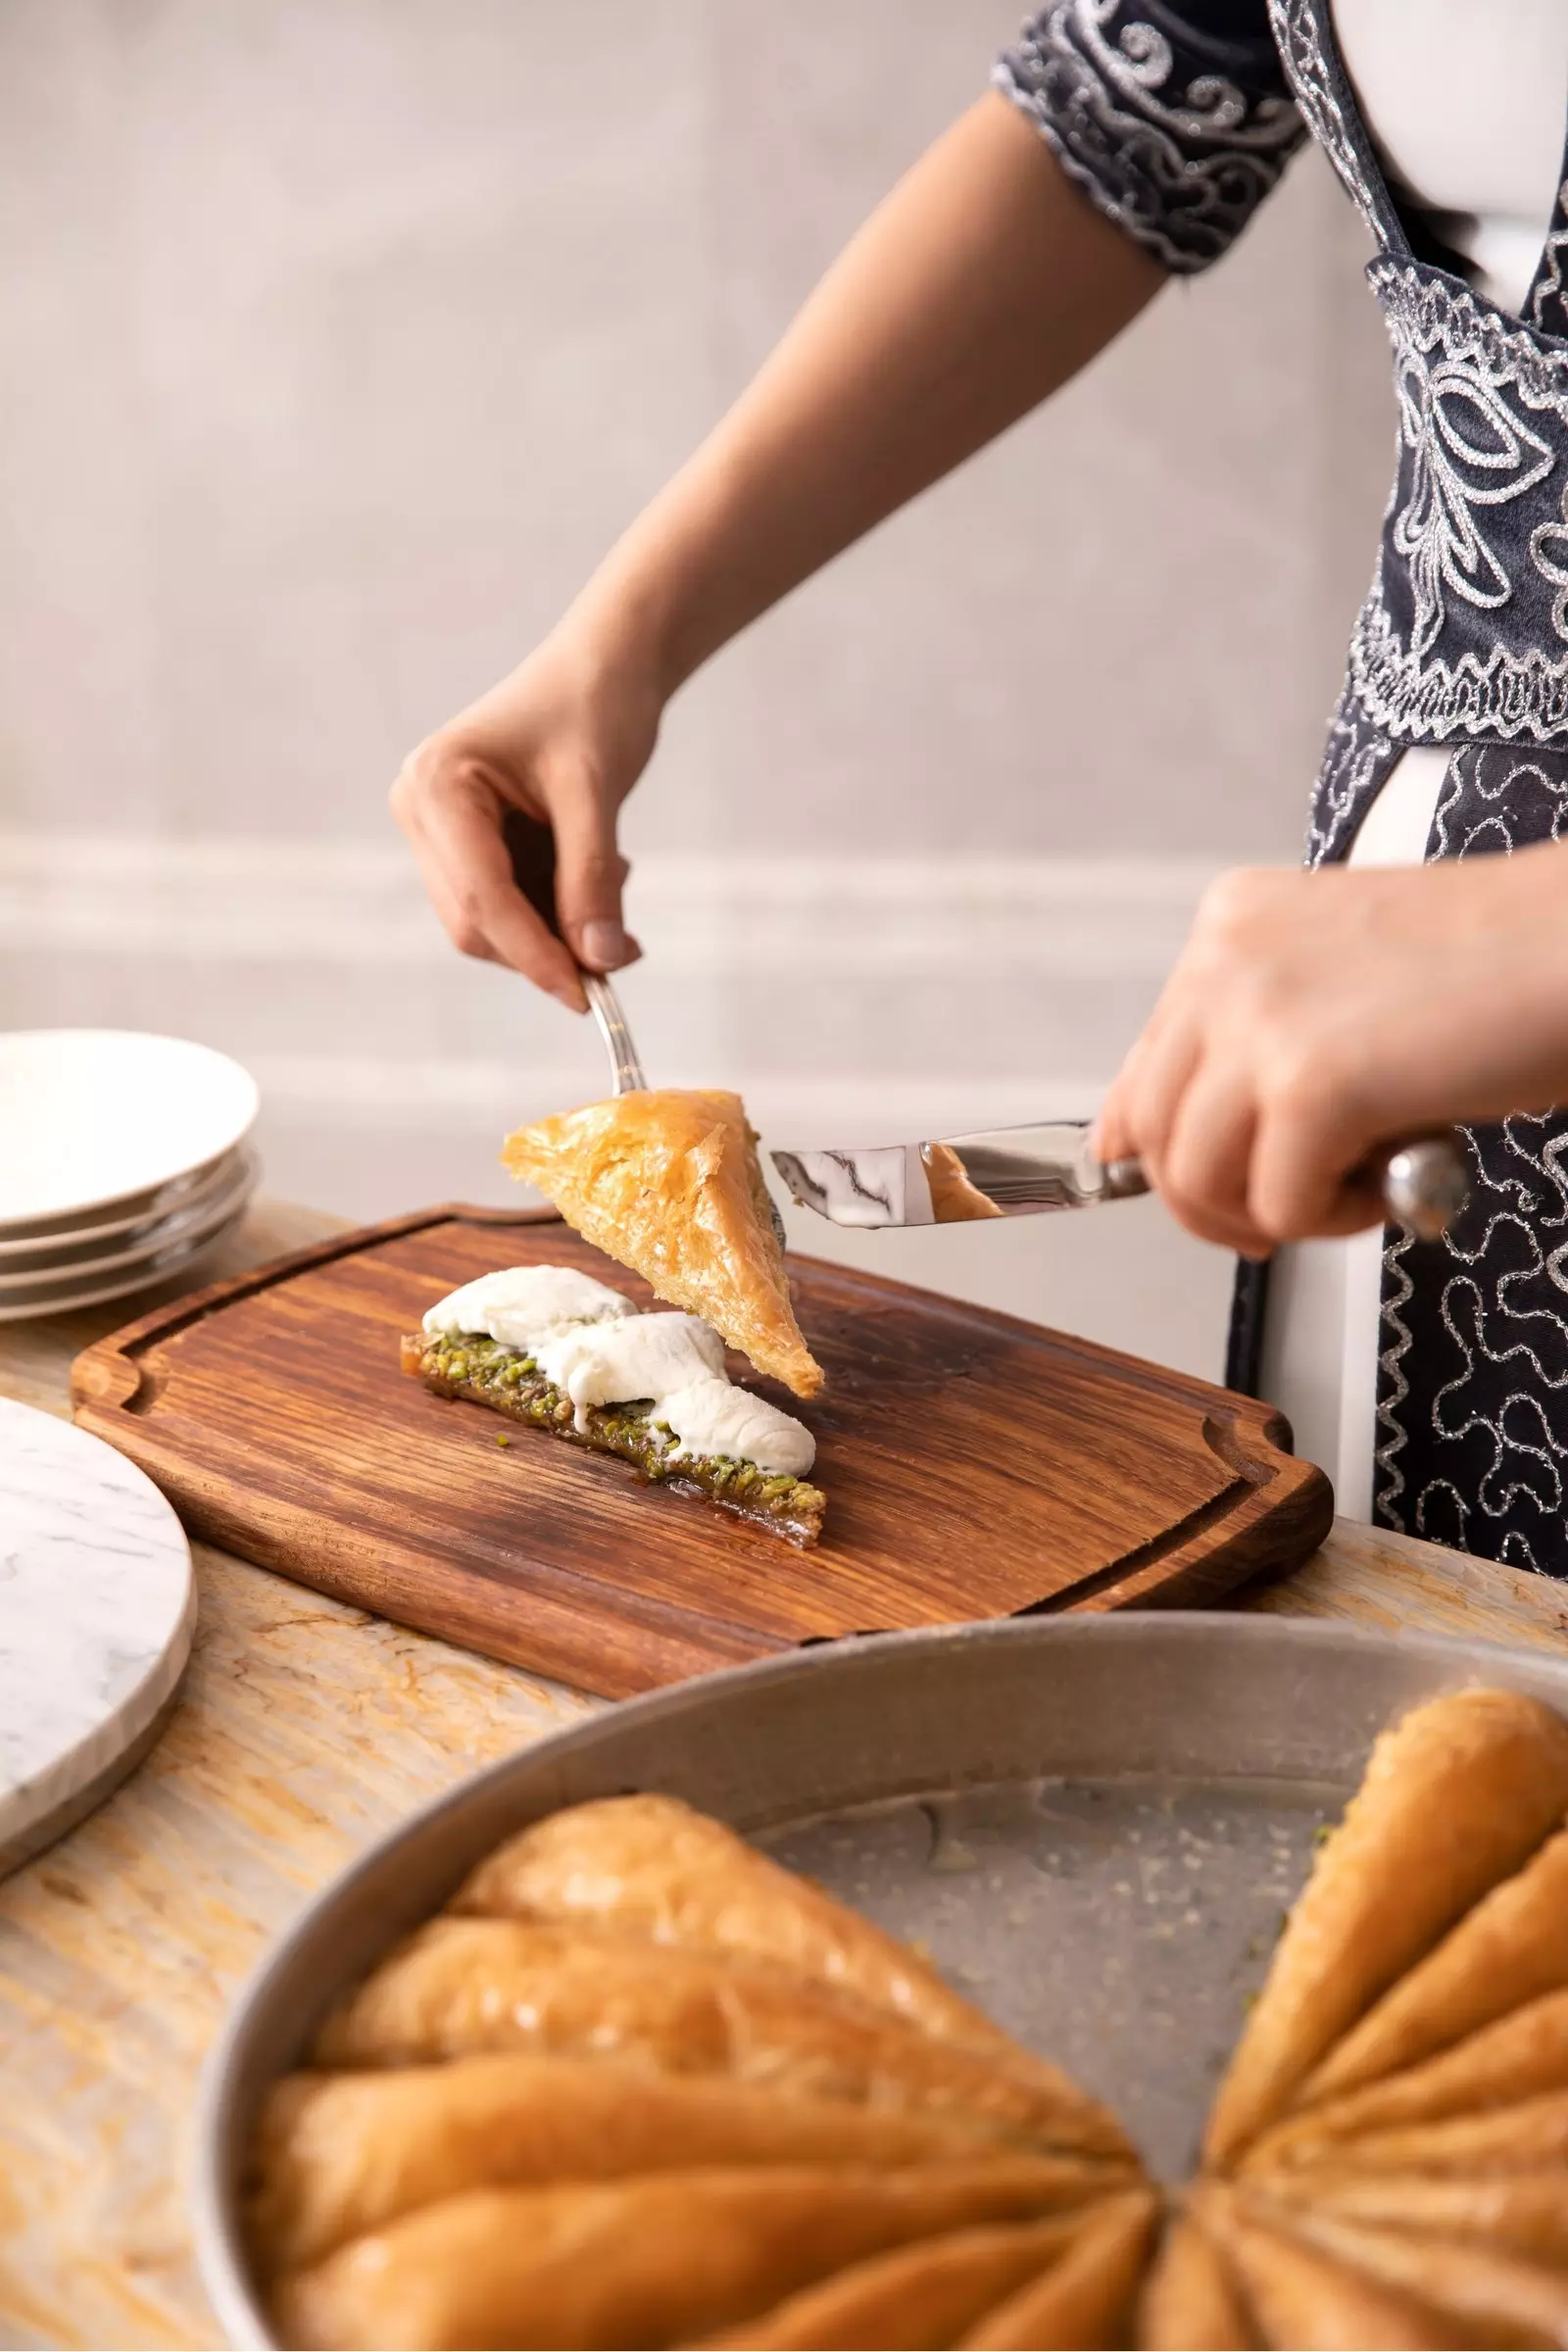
(1113, 1132)
(451, 809)
(1308, 1145)
(1154, 1079)
(1189, 1120)
(562, 741)
(1206, 1164)
(1198, 1093)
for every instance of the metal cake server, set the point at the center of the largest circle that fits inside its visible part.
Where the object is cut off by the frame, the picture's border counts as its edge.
(532, 848)
(1021, 1171)
(603, 1003)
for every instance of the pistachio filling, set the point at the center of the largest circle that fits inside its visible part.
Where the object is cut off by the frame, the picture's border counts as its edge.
(511, 1382)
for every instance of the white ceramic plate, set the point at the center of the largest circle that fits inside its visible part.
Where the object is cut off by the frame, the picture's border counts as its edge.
(139, 1278)
(92, 1118)
(58, 1238)
(96, 1610)
(75, 1264)
(134, 1208)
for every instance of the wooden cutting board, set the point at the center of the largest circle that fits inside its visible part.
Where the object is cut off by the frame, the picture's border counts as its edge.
(975, 1466)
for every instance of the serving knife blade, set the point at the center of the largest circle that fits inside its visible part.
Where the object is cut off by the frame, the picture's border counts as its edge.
(1022, 1171)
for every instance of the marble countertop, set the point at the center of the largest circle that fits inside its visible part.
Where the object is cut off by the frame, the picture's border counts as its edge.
(302, 1730)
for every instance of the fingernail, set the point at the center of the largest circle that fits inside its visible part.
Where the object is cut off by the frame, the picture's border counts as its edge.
(605, 944)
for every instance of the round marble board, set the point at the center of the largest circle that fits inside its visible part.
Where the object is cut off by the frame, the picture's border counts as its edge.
(97, 1607)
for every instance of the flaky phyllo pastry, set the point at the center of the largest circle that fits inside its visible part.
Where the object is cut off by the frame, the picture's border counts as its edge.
(667, 1182)
(640, 2085)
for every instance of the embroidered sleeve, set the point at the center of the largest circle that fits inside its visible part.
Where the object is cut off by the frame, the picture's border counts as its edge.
(1175, 122)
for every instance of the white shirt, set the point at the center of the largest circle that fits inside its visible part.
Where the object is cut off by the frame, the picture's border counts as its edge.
(1467, 103)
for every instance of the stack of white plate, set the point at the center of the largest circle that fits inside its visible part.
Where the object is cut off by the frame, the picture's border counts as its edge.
(125, 1160)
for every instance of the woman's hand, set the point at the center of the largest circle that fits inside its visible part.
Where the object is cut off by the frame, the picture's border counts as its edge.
(1312, 1017)
(563, 739)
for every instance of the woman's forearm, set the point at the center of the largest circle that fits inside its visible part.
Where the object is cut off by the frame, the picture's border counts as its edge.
(983, 282)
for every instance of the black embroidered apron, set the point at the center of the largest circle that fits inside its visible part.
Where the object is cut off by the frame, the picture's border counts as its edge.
(1463, 640)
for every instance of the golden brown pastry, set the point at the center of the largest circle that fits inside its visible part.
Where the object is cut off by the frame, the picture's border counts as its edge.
(1524, 2213)
(648, 2262)
(459, 1986)
(666, 1182)
(1304, 2301)
(341, 2154)
(1502, 2139)
(652, 1865)
(1496, 2298)
(1517, 2058)
(1511, 1950)
(641, 2086)
(1082, 2300)
(1453, 1798)
(921, 2295)
(1191, 2301)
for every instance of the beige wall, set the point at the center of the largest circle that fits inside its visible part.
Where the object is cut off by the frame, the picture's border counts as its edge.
(339, 337)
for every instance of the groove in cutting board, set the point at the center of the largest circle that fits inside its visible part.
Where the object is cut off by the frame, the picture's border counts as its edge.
(975, 1466)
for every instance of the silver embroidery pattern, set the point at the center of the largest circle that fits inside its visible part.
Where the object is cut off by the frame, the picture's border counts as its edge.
(1498, 695)
(1483, 422)
(1502, 1308)
(1548, 299)
(1468, 451)
(1548, 551)
(1473, 1393)
(1303, 52)
(1180, 163)
(1355, 761)
(1387, 1478)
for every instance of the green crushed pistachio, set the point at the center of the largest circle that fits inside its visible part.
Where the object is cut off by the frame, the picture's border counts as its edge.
(511, 1383)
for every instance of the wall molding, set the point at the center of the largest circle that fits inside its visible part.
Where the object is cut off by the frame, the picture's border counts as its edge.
(1065, 952)
(375, 1094)
(234, 900)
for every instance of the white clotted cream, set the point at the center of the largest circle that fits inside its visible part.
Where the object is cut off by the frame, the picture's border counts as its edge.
(641, 1355)
(592, 1344)
(521, 1306)
(713, 1416)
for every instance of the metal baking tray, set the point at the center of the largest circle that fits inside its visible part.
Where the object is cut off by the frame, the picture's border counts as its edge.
(1093, 1823)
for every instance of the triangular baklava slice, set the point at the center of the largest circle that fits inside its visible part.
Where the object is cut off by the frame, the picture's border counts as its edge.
(667, 1181)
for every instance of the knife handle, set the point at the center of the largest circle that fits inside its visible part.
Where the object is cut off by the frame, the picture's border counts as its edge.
(1423, 1184)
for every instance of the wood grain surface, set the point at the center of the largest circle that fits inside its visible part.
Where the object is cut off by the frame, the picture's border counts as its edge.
(304, 1730)
(975, 1466)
